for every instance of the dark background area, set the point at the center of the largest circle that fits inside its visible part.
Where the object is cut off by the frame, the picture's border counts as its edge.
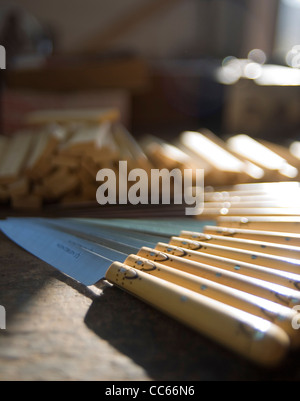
(70, 49)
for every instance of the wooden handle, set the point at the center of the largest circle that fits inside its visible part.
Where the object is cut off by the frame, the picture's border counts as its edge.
(179, 259)
(281, 315)
(242, 332)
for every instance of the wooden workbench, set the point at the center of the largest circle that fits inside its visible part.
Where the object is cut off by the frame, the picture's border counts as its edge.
(59, 330)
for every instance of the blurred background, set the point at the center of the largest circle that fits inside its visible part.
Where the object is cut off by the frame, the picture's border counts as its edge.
(167, 65)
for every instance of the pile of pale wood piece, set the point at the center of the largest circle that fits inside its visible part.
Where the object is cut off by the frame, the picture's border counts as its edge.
(57, 156)
(55, 159)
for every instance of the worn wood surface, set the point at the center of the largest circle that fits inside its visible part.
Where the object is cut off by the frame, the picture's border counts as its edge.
(59, 330)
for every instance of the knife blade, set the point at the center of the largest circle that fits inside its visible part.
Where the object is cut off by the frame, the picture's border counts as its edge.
(80, 259)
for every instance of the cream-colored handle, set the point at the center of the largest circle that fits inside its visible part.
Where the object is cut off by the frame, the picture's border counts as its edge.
(275, 237)
(234, 263)
(276, 276)
(285, 224)
(180, 259)
(282, 316)
(266, 247)
(253, 337)
(244, 255)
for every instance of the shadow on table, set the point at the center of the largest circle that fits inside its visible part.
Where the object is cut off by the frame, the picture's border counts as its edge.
(23, 276)
(166, 349)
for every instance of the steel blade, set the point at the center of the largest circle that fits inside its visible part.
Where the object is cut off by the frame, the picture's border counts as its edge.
(76, 257)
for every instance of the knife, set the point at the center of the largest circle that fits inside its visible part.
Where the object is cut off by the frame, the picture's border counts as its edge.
(75, 251)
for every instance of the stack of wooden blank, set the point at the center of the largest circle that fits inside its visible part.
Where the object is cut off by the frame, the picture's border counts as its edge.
(228, 161)
(57, 157)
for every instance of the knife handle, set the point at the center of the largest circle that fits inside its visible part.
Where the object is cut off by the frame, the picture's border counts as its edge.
(276, 313)
(253, 337)
(265, 289)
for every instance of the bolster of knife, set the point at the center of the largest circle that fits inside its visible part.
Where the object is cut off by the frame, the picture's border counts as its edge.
(250, 336)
